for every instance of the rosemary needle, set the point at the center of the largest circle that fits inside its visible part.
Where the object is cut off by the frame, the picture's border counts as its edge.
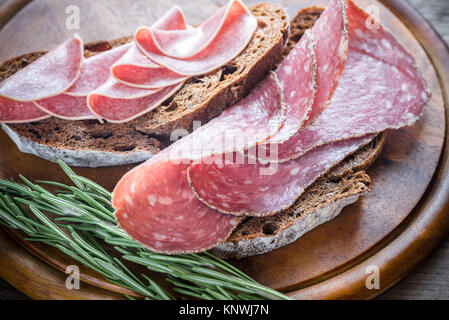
(84, 214)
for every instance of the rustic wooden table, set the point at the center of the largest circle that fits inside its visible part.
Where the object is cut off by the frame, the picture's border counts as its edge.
(431, 279)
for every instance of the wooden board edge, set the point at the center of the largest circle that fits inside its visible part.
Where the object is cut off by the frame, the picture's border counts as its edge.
(428, 224)
(9, 8)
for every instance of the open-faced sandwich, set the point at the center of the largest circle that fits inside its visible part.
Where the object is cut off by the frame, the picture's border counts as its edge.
(255, 129)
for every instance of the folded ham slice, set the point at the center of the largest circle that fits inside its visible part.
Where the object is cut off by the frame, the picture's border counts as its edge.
(119, 103)
(137, 70)
(72, 104)
(232, 39)
(185, 43)
(50, 75)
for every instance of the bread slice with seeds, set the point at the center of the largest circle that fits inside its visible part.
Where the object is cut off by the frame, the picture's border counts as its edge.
(89, 143)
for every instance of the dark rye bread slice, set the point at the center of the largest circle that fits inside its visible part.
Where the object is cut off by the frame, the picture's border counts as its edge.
(89, 143)
(321, 202)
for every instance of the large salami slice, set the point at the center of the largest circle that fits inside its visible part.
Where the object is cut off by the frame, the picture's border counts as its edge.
(186, 43)
(156, 207)
(257, 189)
(137, 70)
(155, 204)
(253, 120)
(299, 67)
(380, 89)
(95, 71)
(316, 62)
(48, 76)
(228, 43)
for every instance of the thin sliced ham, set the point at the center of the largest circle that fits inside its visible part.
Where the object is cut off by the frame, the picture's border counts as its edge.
(380, 89)
(182, 44)
(137, 70)
(230, 41)
(48, 76)
(173, 19)
(65, 106)
(96, 71)
(72, 104)
(118, 103)
(12, 111)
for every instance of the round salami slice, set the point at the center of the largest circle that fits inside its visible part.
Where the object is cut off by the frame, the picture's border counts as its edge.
(123, 109)
(255, 189)
(137, 70)
(182, 44)
(377, 91)
(231, 40)
(331, 46)
(156, 207)
(12, 111)
(298, 67)
(253, 120)
(48, 76)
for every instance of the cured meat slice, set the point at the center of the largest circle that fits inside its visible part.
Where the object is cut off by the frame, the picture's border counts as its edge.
(126, 103)
(155, 204)
(96, 70)
(251, 121)
(257, 189)
(331, 41)
(65, 106)
(228, 43)
(156, 207)
(378, 90)
(186, 43)
(173, 19)
(115, 89)
(317, 59)
(48, 76)
(12, 111)
(137, 70)
(299, 67)
(72, 104)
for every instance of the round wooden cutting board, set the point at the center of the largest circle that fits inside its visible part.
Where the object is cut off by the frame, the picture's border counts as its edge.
(392, 228)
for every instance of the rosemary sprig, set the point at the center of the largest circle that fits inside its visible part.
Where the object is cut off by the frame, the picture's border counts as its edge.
(84, 214)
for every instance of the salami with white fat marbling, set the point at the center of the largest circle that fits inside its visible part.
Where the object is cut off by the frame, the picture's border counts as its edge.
(380, 88)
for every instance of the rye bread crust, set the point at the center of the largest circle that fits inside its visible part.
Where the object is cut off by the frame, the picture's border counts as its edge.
(89, 143)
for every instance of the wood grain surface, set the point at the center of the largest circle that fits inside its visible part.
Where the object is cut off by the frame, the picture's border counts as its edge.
(429, 135)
